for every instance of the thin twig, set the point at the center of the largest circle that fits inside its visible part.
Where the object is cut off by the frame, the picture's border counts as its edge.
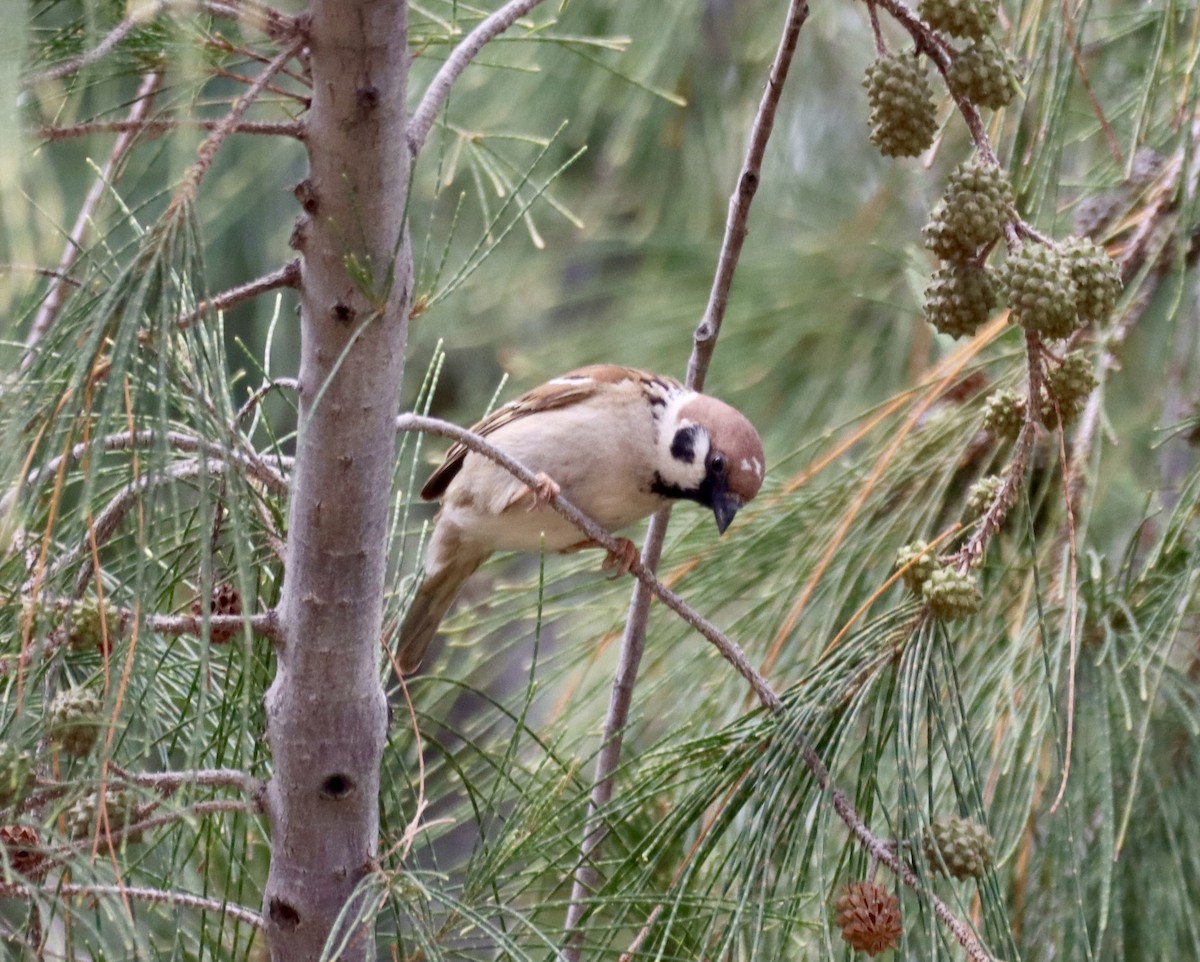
(50, 307)
(162, 125)
(939, 52)
(993, 519)
(206, 777)
(146, 823)
(264, 625)
(460, 57)
(705, 338)
(286, 276)
(275, 384)
(729, 650)
(163, 896)
(703, 342)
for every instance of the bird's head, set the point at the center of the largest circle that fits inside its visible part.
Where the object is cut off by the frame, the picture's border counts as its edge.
(709, 453)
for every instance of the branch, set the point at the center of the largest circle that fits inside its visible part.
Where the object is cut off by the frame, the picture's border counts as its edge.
(704, 342)
(143, 894)
(729, 650)
(275, 384)
(265, 624)
(109, 837)
(886, 854)
(164, 782)
(705, 338)
(286, 276)
(161, 125)
(50, 307)
(462, 55)
(206, 777)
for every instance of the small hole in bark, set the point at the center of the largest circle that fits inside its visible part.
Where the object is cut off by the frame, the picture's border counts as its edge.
(283, 914)
(337, 786)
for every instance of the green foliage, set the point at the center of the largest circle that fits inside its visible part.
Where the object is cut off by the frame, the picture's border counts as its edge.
(568, 209)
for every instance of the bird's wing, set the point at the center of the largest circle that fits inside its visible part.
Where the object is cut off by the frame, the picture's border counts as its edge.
(569, 389)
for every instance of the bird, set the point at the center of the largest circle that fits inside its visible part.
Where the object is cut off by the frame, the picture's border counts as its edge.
(617, 442)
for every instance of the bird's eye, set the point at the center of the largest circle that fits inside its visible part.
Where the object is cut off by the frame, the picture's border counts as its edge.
(718, 463)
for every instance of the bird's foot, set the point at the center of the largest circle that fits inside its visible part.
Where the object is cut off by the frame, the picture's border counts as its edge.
(618, 562)
(544, 490)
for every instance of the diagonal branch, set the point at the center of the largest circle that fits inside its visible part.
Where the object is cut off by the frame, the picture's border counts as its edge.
(458, 61)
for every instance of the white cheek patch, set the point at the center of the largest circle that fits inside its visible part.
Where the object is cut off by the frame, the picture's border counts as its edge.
(753, 464)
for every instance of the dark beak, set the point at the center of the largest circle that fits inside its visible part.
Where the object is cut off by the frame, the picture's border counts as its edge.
(725, 506)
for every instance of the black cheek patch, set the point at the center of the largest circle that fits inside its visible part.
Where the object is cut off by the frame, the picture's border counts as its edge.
(683, 445)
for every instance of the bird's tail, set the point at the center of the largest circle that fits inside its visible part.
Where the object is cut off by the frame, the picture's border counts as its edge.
(433, 599)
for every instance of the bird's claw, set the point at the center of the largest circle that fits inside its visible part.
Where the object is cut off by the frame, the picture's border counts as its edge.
(617, 562)
(620, 561)
(544, 490)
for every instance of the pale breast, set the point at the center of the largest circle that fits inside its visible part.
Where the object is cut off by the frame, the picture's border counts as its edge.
(606, 472)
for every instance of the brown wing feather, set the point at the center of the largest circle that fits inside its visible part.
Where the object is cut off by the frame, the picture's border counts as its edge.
(563, 391)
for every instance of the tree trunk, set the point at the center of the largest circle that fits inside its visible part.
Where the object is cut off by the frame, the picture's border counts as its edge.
(326, 712)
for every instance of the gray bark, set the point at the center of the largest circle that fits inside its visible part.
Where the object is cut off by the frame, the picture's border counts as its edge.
(326, 712)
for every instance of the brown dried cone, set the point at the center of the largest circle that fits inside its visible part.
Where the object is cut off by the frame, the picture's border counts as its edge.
(869, 917)
(225, 600)
(23, 851)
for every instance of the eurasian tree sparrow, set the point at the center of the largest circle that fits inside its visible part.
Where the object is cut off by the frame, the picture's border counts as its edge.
(617, 442)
